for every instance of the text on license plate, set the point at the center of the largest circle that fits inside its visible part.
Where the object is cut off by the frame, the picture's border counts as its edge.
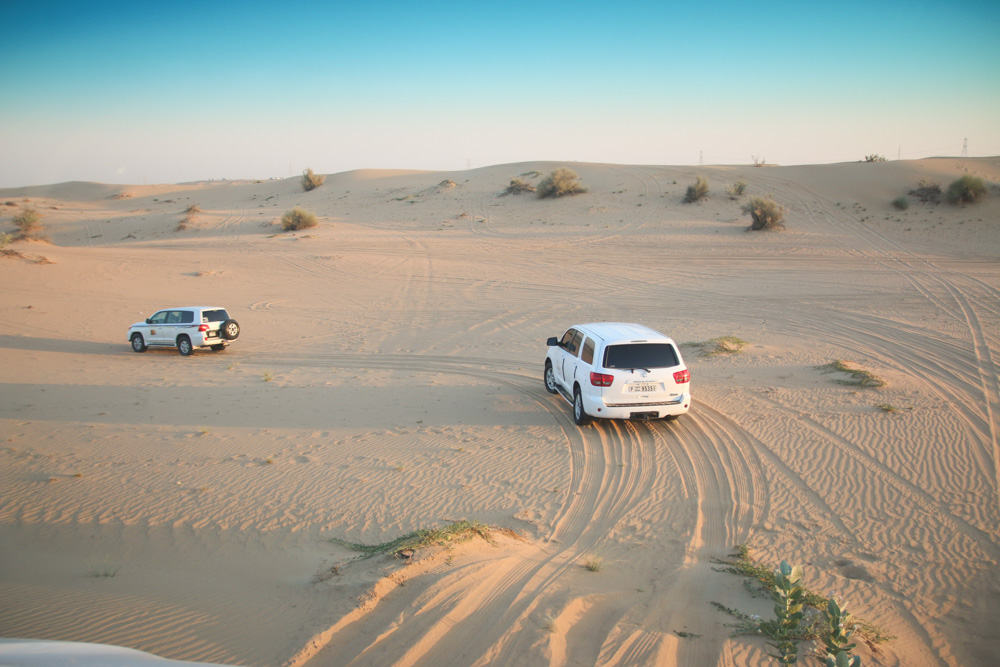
(643, 388)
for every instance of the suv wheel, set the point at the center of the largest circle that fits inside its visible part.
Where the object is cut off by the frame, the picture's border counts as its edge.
(550, 378)
(138, 344)
(579, 414)
(230, 330)
(184, 346)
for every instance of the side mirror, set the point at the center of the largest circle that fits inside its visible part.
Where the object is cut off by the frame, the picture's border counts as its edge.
(149, 320)
(552, 342)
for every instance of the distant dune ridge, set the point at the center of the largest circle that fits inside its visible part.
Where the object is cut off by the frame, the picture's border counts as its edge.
(388, 379)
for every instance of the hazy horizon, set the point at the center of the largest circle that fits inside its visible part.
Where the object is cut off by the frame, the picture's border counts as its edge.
(123, 93)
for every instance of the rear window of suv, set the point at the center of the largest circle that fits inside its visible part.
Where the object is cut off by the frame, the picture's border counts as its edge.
(641, 355)
(214, 315)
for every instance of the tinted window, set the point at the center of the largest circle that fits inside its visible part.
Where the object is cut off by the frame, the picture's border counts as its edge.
(174, 317)
(187, 317)
(574, 347)
(567, 338)
(641, 355)
(159, 318)
(219, 315)
(588, 352)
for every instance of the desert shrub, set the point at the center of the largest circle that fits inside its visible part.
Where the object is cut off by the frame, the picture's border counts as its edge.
(27, 220)
(517, 186)
(927, 191)
(901, 203)
(766, 213)
(875, 157)
(298, 218)
(311, 181)
(5, 240)
(559, 183)
(758, 161)
(736, 189)
(966, 190)
(697, 191)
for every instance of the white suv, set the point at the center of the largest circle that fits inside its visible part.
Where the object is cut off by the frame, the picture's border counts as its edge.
(186, 329)
(614, 370)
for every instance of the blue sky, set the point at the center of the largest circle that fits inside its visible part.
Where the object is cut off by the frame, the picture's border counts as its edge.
(126, 92)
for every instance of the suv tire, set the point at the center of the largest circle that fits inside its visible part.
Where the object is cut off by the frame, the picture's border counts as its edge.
(138, 344)
(230, 329)
(550, 379)
(579, 414)
(184, 346)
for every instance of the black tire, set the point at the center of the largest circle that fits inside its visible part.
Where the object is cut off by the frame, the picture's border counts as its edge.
(218, 347)
(230, 330)
(580, 417)
(184, 346)
(138, 344)
(550, 379)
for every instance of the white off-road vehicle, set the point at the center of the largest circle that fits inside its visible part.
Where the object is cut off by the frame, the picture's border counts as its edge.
(614, 370)
(186, 328)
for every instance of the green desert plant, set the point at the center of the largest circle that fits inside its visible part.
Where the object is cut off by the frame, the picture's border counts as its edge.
(766, 213)
(875, 157)
(966, 190)
(837, 636)
(788, 597)
(901, 203)
(27, 221)
(517, 186)
(298, 218)
(697, 191)
(311, 181)
(559, 183)
(735, 190)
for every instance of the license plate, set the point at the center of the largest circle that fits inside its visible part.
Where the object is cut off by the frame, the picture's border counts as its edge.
(643, 388)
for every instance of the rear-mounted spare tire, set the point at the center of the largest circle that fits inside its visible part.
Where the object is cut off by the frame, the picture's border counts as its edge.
(230, 330)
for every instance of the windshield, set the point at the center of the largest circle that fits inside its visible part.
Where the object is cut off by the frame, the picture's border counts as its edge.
(641, 355)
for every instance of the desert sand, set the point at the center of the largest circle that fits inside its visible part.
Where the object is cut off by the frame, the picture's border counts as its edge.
(388, 378)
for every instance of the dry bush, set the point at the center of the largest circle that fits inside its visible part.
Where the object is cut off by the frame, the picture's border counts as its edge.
(966, 190)
(875, 157)
(27, 221)
(697, 191)
(517, 186)
(560, 182)
(735, 190)
(298, 218)
(766, 213)
(927, 191)
(311, 181)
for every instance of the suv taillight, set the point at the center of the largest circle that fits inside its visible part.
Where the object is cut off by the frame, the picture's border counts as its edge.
(601, 380)
(680, 377)
(202, 327)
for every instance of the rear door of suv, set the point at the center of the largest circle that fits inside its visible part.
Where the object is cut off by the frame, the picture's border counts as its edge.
(644, 373)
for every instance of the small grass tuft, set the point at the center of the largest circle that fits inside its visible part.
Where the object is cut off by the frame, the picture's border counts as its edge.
(966, 190)
(901, 203)
(298, 218)
(311, 181)
(559, 183)
(765, 212)
(103, 570)
(268, 376)
(723, 345)
(28, 220)
(697, 191)
(860, 377)
(593, 563)
(455, 533)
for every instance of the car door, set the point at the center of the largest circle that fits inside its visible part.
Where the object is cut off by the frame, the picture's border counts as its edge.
(559, 360)
(570, 353)
(156, 325)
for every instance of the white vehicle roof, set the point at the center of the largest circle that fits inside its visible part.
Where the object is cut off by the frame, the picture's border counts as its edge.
(611, 332)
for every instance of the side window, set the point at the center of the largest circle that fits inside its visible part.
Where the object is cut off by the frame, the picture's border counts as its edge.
(588, 352)
(574, 347)
(567, 339)
(187, 317)
(174, 317)
(159, 318)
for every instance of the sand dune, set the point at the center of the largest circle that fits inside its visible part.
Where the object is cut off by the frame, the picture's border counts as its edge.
(388, 379)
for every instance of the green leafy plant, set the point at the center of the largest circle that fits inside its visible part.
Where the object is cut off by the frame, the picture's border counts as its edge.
(901, 203)
(298, 218)
(697, 191)
(311, 181)
(966, 190)
(559, 183)
(788, 603)
(765, 212)
(837, 636)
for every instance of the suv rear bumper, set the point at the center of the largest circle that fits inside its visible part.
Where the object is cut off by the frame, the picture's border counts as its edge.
(596, 407)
